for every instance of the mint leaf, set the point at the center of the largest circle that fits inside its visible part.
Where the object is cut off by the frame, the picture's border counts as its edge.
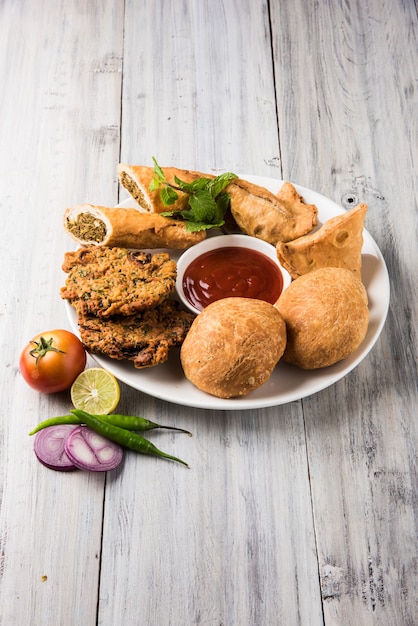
(222, 204)
(207, 201)
(196, 185)
(168, 196)
(158, 172)
(154, 184)
(203, 207)
(195, 227)
(219, 183)
(158, 178)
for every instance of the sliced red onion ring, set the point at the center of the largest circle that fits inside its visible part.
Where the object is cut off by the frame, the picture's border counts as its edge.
(88, 450)
(49, 447)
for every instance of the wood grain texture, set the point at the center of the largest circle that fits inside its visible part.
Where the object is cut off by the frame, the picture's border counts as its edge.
(356, 110)
(211, 544)
(297, 514)
(218, 530)
(193, 80)
(58, 61)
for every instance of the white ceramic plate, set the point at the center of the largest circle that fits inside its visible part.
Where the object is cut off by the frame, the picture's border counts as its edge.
(287, 383)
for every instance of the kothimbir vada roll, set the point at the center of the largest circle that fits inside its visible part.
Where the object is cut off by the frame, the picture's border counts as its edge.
(127, 228)
(136, 180)
(257, 211)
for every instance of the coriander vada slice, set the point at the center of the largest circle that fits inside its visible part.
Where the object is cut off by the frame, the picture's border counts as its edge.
(327, 316)
(233, 346)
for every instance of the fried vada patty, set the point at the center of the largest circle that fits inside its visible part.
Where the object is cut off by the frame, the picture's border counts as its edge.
(106, 281)
(144, 338)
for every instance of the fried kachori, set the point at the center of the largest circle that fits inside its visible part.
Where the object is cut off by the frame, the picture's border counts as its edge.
(326, 316)
(233, 346)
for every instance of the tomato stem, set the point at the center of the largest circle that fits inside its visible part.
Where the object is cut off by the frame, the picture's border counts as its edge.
(42, 347)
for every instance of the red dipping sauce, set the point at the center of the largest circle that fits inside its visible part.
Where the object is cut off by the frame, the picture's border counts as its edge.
(231, 272)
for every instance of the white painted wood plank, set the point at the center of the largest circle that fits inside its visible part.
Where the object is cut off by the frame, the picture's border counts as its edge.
(228, 541)
(60, 67)
(198, 86)
(231, 540)
(350, 98)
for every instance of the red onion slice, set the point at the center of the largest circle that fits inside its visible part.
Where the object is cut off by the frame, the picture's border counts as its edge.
(88, 450)
(49, 447)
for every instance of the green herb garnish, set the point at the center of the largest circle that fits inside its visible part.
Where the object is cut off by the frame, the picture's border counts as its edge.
(208, 201)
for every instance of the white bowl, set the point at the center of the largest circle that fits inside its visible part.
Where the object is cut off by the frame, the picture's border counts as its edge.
(224, 241)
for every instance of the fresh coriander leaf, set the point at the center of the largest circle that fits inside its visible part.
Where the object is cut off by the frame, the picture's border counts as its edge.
(168, 195)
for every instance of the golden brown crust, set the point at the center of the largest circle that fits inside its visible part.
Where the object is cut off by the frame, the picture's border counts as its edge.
(106, 281)
(326, 317)
(145, 338)
(137, 178)
(260, 213)
(256, 211)
(127, 228)
(337, 243)
(233, 346)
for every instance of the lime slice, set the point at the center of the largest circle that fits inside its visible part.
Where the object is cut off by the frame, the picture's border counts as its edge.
(96, 391)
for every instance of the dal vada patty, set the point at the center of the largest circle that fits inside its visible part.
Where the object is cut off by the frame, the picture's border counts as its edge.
(144, 338)
(105, 281)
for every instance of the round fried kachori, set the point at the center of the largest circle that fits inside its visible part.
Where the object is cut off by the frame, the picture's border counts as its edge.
(326, 317)
(233, 346)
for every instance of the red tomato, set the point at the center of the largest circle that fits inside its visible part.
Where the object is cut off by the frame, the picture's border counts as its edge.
(52, 360)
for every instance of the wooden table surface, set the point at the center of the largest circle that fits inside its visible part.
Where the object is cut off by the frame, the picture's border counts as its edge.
(304, 513)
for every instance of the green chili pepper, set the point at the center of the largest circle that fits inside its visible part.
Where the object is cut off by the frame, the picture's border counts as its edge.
(56, 421)
(122, 436)
(128, 422)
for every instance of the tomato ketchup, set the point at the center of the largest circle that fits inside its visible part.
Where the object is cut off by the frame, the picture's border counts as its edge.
(231, 272)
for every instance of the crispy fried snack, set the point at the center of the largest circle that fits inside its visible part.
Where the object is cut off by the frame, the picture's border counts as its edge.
(326, 317)
(137, 178)
(127, 228)
(106, 281)
(260, 213)
(144, 338)
(233, 346)
(256, 210)
(337, 243)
